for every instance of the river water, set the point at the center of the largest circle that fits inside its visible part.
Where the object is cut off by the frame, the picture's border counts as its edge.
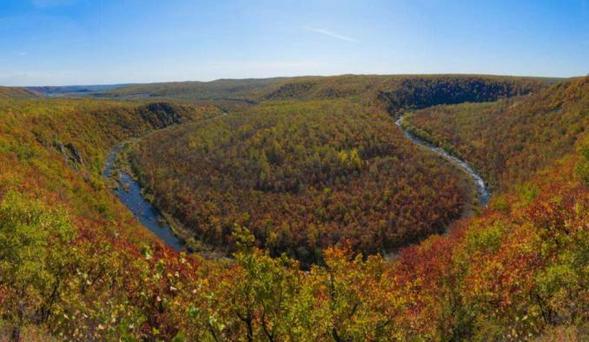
(482, 190)
(128, 190)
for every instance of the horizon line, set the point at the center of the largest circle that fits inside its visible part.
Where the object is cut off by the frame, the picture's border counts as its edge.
(292, 77)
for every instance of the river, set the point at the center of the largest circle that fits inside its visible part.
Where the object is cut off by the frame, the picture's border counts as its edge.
(481, 186)
(128, 190)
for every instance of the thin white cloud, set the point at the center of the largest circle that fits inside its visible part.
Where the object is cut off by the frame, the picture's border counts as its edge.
(331, 34)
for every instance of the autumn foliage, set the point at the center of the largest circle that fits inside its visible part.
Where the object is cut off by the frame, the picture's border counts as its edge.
(74, 265)
(511, 139)
(302, 176)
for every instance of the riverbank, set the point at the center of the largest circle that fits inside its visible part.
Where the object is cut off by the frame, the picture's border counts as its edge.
(127, 186)
(482, 189)
(129, 192)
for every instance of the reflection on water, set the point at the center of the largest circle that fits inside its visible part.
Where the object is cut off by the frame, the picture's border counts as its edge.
(129, 193)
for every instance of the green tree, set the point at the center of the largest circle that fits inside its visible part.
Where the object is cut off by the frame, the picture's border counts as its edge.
(32, 266)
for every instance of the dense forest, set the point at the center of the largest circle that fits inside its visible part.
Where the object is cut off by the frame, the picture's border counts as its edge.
(74, 264)
(399, 91)
(219, 90)
(316, 163)
(301, 176)
(510, 139)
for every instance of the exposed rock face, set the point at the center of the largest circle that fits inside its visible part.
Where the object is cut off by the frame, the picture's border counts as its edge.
(419, 92)
(72, 155)
(160, 115)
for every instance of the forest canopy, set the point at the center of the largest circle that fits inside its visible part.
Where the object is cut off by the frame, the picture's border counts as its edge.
(75, 265)
(511, 139)
(301, 176)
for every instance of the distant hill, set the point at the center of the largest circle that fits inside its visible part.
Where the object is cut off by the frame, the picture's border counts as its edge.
(13, 92)
(399, 90)
(76, 90)
(225, 89)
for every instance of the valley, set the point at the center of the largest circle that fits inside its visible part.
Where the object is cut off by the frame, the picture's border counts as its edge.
(305, 185)
(129, 192)
(482, 190)
(293, 171)
(255, 170)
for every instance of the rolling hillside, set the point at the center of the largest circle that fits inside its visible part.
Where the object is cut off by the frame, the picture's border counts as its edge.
(400, 90)
(73, 91)
(227, 90)
(302, 176)
(75, 265)
(14, 93)
(511, 139)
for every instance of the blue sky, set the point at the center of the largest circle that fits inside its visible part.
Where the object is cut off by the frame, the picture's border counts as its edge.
(58, 42)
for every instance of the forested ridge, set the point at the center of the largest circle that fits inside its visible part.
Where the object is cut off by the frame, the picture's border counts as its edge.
(400, 90)
(511, 139)
(301, 176)
(74, 265)
(318, 162)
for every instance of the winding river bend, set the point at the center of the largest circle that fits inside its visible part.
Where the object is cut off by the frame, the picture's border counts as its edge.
(130, 193)
(128, 190)
(482, 190)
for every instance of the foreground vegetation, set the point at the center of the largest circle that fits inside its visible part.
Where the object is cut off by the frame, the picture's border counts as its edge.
(74, 265)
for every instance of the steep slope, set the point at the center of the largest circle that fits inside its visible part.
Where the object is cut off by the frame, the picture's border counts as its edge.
(301, 176)
(47, 144)
(511, 139)
(400, 91)
(75, 266)
(66, 242)
(513, 272)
